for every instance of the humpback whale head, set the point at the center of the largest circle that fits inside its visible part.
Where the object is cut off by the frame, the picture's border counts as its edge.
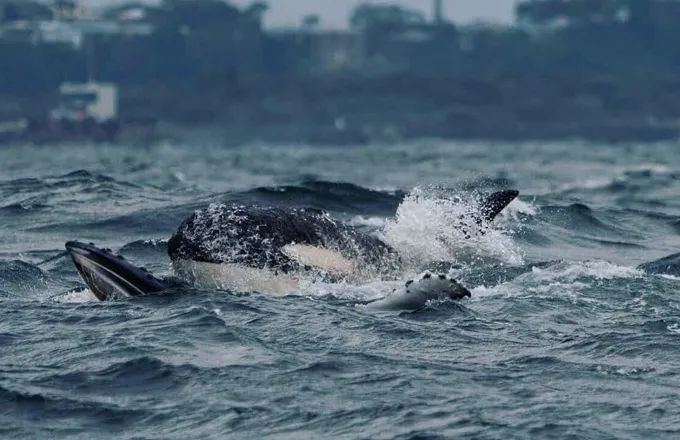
(108, 275)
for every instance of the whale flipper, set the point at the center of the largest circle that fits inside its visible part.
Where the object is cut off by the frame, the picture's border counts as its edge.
(492, 205)
(414, 294)
(110, 276)
(669, 265)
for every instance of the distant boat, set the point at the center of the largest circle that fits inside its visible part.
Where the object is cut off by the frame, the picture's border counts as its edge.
(86, 110)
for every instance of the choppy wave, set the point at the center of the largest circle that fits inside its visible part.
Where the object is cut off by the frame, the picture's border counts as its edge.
(333, 196)
(564, 336)
(560, 279)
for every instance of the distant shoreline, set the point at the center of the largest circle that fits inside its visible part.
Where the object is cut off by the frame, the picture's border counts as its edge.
(363, 110)
(325, 136)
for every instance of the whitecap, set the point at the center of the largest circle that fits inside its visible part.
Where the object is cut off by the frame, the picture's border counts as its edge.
(564, 279)
(76, 296)
(430, 228)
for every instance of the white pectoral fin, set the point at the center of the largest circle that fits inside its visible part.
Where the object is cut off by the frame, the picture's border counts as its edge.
(415, 293)
(320, 257)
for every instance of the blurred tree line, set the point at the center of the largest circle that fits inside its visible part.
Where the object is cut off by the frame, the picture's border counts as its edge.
(619, 37)
(564, 60)
(214, 41)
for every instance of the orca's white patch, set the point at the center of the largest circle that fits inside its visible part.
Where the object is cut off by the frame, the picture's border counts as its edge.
(320, 258)
(236, 277)
(240, 278)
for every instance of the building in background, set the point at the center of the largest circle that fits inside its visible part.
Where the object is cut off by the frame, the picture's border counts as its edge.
(62, 22)
(438, 11)
(89, 109)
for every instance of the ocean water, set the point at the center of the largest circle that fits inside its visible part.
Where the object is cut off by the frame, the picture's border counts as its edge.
(562, 338)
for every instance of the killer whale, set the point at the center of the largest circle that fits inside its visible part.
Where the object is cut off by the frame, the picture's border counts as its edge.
(293, 239)
(285, 240)
(264, 249)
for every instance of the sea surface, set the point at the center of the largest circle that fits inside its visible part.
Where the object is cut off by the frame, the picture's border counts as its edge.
(563, 336)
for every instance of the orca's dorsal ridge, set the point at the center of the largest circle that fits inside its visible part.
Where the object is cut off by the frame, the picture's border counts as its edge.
(495, 203)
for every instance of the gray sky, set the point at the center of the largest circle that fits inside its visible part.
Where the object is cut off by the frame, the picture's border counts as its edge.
(335, 13)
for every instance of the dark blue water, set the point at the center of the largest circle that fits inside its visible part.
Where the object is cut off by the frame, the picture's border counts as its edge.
(563, 338)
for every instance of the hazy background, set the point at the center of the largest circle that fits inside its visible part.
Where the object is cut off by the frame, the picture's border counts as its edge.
(341, 71)
(335, 13)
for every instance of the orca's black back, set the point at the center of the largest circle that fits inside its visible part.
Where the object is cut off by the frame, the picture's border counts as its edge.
(255, 235)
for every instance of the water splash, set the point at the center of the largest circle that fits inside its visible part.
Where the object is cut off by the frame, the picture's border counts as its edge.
(76, 296)
(432, 227)
(562, 279)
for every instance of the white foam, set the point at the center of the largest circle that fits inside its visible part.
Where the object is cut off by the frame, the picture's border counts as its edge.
(511, 214)
(589, 184)
(430, 228)
(372, 222)
(566, 279)
(367, 291)
(618, 176)
(598, 269)
(77, 296)
(623, 371)
(652, 168)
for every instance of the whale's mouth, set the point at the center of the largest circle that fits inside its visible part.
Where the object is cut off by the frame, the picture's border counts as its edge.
(109, 276)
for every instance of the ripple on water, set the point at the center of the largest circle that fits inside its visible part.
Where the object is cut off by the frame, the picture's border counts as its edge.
(563, 337)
